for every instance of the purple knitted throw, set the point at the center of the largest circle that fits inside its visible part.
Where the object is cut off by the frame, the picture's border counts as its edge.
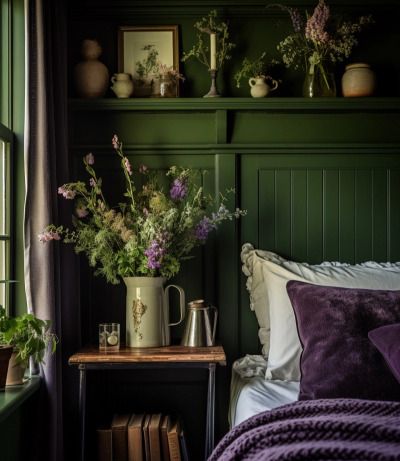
(328, 429)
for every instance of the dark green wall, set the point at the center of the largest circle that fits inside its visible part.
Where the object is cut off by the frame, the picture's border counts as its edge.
(319, 178)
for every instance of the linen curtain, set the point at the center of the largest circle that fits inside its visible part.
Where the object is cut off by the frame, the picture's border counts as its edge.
(49, 268)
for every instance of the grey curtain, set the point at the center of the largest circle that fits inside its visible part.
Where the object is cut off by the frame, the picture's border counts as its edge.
(49, 268)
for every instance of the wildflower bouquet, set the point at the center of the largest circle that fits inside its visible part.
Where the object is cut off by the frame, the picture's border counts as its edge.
(318, 39)
(149, 234)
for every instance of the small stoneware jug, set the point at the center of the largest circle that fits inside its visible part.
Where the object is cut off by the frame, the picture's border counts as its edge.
(122, 85)
(259, 88)
(198, 331)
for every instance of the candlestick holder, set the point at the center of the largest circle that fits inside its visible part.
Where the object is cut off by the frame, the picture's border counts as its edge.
(213, 93)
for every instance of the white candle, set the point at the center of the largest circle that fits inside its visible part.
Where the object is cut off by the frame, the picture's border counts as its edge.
(213, 51)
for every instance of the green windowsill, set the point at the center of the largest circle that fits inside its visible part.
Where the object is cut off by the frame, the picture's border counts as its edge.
(14, 396)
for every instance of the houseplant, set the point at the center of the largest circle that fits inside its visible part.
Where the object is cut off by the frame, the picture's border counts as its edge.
(169, 80)
(255, 72)
(317, 43)
(29, 336)
(149, 234)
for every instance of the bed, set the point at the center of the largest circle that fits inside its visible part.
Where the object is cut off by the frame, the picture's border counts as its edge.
(327, 385)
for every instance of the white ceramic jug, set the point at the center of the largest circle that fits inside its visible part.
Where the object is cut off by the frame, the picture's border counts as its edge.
(122, 85)
(259, 87)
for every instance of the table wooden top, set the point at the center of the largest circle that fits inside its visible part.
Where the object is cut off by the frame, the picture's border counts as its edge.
(166, 354)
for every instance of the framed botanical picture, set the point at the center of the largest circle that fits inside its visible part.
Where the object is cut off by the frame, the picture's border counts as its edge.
(143, 51)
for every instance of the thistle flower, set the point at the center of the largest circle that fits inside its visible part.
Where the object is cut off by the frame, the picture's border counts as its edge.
(81, 211)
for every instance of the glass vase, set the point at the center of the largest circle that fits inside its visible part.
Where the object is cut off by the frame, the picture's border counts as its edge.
(168, 87)
(319, 82)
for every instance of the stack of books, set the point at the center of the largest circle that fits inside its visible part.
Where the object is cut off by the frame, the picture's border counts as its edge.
(142, 437)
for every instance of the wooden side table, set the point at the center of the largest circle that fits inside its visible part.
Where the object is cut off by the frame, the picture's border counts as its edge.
(155, 357)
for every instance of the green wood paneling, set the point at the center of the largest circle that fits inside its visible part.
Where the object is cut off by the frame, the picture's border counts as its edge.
(316, 208)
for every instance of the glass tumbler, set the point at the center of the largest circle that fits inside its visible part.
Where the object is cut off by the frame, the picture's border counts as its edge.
(109, 337)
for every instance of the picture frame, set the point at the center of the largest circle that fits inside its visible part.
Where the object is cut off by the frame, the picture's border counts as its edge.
(139, 47)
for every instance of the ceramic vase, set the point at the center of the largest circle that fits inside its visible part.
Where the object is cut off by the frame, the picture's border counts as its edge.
(358, 80)
(122, 85)
(259, 87)
(90, 75)
(147, 311)
(319, 82)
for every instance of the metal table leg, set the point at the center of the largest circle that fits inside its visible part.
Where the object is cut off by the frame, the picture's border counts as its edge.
(82, 407)
(210, 410)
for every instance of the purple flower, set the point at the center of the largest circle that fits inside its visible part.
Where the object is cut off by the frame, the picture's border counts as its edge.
(81, 212)
(128, 166)
(179, 189)
(115, 142)
(154, 254)
(66, 193)
(315, 27)
(89, 159)
(203, 228)
(296, 18)
(47, 236)
(92, 182)
(143, 169)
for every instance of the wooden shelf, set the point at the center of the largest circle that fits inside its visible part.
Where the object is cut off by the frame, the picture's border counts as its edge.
(273, 104)
(168, 354)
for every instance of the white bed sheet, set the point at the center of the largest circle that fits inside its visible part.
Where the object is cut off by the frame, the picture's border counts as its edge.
(251, 393)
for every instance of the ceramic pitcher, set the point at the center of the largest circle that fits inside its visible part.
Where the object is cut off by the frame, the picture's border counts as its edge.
(260, 88)
(122, 85)
(147, 311)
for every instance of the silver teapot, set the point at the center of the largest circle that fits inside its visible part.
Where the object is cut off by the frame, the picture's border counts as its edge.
(198, 331)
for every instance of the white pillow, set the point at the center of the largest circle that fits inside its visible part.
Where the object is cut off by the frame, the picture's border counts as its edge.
(268, 274)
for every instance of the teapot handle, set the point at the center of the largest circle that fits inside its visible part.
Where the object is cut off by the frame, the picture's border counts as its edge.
(181, 303)
(215, 323)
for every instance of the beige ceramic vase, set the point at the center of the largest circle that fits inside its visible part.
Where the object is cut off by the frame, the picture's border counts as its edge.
(358, 80)
(91, 76)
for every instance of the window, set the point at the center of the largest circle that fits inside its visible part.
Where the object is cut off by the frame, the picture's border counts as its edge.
(6, 136)
(5, 212)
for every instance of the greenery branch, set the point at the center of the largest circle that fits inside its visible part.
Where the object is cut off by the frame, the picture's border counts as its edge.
(206, 26)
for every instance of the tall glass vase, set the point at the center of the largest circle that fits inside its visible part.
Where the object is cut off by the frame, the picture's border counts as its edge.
(319, 81)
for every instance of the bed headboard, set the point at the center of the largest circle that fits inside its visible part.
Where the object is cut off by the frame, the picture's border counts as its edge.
(322, 205)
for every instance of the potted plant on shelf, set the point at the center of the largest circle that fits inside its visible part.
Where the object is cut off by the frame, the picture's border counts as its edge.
(28, 336)
(169, 80)
(255, 72)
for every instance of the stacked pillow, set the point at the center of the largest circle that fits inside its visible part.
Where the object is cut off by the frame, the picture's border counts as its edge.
(267, 276)
(338, 359)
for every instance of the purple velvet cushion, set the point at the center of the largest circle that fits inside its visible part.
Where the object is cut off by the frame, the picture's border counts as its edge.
(387, 340)
(338, 360)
